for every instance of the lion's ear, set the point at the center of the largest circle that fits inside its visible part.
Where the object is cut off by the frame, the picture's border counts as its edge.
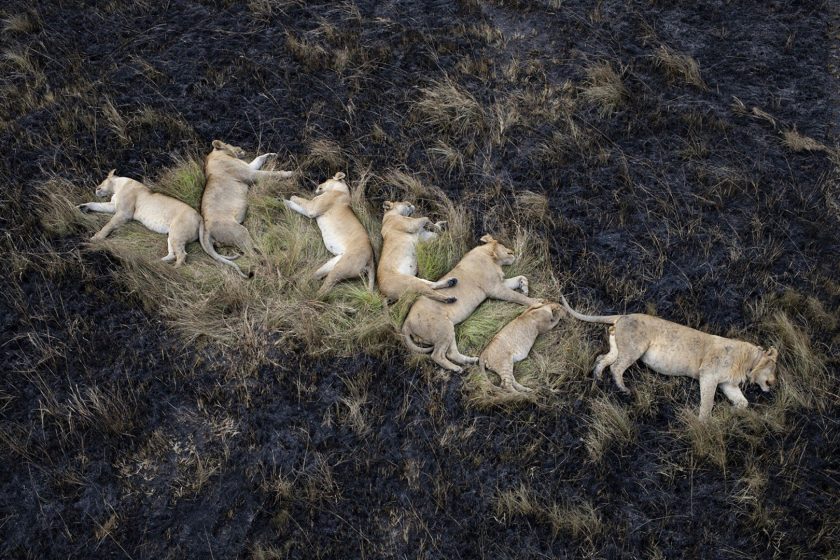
(772, 353)
(488, 239)
(218, 144)
(111, 174)
(339, 176)
(387, 205)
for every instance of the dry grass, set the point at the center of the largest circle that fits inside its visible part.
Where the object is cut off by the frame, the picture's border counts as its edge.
(22, 23)
(578, 520)
(204, 300)
(796, 142)
(609, 426)
(604, 89)
(448, 106)
(678, 66)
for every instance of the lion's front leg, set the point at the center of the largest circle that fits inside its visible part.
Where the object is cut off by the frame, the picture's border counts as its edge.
(300, 205)
(417, 224)
(107, 207)
(119, 219)
(503, 291)
(258, 161)
(734, 394)
(708, 384)
(518, 283)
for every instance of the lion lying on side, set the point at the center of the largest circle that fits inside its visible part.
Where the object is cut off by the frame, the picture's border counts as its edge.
(398, 264)
(479, 276)
(343, 233)
(225, 199)
(514, 342)
(673, 349)
(132, 200)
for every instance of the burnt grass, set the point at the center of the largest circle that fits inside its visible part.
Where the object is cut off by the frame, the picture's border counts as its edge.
(118, 439)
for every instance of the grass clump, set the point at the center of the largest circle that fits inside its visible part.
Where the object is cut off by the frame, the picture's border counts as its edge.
(447, 105)
(796, 142)
(609, 426)
(678, 66)
(578, 520)
(604, 89)
(184, 181)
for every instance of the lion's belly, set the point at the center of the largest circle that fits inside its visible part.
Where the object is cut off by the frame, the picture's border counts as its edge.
(153, 220)
(333, 239)
(669, 361)
(522, 353)
(408, 265)
(466, 305)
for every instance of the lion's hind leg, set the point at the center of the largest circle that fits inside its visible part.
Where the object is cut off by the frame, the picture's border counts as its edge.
(443, 333)
(232, 233)
(326, 268)
(447, 283)
(508, 381)
(439, 356)
(453, 354)
(607, 359)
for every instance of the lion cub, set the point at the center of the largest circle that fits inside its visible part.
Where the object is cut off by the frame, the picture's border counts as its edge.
(673, 349)
(132, 200)
(225, 198)
(513, 343)
(343, 233)
(479, 276)
(397, 270)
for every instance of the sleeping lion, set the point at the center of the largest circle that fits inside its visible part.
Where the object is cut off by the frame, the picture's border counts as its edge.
(673, 349)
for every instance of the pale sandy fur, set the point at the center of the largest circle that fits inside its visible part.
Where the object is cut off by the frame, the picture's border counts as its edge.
(672, 349)
(513, 343)
(343, 234)
(479, 276)
(397, 270)
(225, 199)
(132, 200)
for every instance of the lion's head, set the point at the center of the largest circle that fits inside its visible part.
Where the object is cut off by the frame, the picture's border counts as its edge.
(500, 253)
(401, 208)
(335, 184)
(229, 149)
(106, 187)
(763, 373)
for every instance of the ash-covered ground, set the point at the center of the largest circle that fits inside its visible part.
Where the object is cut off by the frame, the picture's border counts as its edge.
(685, 160)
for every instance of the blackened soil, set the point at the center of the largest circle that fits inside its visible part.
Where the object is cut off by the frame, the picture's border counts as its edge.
(676, 202)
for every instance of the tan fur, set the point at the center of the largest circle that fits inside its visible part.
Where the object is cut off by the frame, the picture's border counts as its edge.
(343, 233)
(225, 199)
(673, 349)
(398, 263)
(479, 276)
(132, 200)
(514, 342)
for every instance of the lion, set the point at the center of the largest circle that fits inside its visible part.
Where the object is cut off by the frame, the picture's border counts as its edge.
(225, 199)
(479, 276)
(343, 233)
(514, 342)
(673, 349)
(132, 200)
(398, 263)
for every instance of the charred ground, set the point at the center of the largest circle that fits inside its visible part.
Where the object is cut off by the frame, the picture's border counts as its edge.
(678, 159)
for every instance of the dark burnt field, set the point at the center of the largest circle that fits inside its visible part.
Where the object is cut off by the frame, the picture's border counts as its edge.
(673, 158)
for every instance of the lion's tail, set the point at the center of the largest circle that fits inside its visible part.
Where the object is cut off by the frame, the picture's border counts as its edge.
(410, 343)
(371, 273)
(609, 319)
(207, 245)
